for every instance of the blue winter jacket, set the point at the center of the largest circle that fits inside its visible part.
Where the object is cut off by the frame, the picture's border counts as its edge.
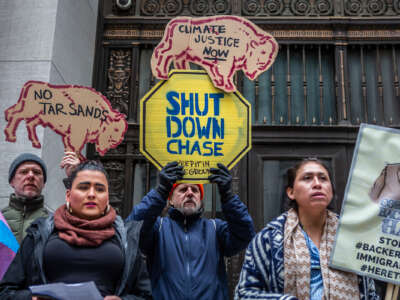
(186, 254)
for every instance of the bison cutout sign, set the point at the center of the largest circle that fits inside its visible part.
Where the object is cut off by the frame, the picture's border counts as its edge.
(79, 114)
(221, 45)
(187, 119)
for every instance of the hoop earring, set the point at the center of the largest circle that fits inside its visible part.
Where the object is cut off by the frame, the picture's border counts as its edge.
(69, 207)
(107, 209)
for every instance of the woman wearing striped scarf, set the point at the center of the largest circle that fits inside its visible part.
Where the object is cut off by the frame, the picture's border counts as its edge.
(289, 258)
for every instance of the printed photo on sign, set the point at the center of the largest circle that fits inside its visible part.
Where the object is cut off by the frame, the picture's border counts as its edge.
(368, 237)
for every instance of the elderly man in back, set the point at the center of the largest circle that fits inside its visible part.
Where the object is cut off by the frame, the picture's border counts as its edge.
(27, 176)
(185, 252)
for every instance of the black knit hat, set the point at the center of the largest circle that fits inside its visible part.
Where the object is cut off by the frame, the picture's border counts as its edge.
(24, 157)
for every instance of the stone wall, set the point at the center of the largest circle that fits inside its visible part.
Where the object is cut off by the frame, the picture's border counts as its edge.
(46, 40)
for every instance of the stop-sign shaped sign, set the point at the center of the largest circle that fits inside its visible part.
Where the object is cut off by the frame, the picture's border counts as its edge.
(187, 119)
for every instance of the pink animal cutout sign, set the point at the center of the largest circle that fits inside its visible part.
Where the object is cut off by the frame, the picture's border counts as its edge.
(222, 45)
(79, 114)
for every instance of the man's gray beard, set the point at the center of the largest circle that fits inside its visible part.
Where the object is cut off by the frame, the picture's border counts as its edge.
(188, 211)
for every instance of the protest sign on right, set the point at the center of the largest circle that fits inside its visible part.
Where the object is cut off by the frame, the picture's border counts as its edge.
(368, 237)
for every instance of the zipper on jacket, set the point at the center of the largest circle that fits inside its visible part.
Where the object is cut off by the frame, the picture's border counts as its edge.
(185, 225)
(21, 229)
(187, 259)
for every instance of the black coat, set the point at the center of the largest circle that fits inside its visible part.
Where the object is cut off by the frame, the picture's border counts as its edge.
(27, 266)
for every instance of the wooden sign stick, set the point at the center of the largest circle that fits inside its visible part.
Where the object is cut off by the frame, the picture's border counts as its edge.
(392, 292)
(389, 291)
(395, 292)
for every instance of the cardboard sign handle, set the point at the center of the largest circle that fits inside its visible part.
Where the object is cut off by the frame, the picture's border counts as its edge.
(396, 292)
(392, 291)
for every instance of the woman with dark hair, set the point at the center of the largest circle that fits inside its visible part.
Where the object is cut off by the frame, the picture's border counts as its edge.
(289, 258)
(84, 241)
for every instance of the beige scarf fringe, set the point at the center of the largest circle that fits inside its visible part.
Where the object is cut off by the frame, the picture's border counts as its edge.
(338, 285)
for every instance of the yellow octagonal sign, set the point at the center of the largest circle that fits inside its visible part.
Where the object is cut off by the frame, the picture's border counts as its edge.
(187, 119)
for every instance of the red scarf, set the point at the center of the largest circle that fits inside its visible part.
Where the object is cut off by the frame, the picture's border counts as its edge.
(81, 232)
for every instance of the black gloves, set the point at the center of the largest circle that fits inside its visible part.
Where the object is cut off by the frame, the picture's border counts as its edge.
(223, 178)
(168, 176)
(173, 172)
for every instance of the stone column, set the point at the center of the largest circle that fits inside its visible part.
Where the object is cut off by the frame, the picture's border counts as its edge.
(45, 40)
